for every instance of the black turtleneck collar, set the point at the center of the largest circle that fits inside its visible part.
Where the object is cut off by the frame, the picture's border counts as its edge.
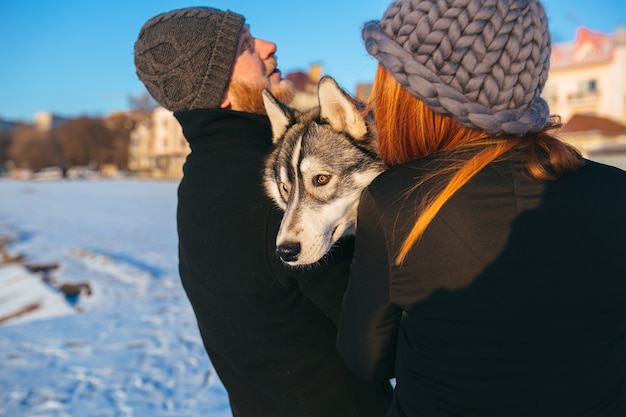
(207, 124)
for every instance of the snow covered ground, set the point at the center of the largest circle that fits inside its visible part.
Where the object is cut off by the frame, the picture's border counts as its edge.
(132, 348)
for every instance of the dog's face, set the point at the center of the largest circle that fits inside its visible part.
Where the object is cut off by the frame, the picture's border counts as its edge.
(321, 162)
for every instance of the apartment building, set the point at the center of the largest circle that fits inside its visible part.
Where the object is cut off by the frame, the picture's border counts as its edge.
(588, 76)
(157, 146)
(587, 88)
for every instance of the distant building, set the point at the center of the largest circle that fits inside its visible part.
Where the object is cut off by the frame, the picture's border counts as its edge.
(594, 135)
(588, 76)
(157, 146)
(305, 85)
(363, 91)
(587, 88)
(45, 121)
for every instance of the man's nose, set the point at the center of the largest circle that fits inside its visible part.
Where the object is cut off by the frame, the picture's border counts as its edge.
(266, 48)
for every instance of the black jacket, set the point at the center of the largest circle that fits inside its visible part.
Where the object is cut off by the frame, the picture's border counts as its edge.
(512, 304)
(269, 331)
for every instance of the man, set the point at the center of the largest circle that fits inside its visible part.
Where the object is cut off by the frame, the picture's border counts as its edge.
(269, 331)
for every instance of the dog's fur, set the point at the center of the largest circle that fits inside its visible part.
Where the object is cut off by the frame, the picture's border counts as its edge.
(322, 160)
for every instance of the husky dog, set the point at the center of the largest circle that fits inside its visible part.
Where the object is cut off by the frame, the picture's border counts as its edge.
(322, 159)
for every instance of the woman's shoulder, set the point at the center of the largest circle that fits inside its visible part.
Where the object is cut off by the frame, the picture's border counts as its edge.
(597, 168)
(597, 176)
(404, 176)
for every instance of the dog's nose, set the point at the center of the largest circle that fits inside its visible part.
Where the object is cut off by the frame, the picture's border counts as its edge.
(288, 252)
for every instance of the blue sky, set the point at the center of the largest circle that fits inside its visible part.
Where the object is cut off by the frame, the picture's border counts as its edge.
(75, 57)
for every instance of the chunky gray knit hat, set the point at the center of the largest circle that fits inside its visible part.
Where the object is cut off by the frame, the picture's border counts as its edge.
(184, 57)
(483, 62)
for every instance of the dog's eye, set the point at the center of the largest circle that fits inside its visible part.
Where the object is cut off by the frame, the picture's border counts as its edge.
(321, 179)
(284, 189)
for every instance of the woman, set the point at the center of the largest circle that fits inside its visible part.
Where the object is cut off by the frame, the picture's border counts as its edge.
(489, 276)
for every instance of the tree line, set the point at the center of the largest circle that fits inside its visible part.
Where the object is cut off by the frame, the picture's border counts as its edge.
(83, 141)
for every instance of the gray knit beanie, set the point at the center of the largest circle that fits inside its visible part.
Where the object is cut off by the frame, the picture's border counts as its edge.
(185, 57)
(483, 62)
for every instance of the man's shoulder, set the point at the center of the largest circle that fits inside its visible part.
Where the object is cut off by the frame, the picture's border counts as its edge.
(223, 124)
(209, 116)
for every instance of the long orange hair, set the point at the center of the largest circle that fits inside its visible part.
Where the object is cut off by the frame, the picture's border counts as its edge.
(408, 129)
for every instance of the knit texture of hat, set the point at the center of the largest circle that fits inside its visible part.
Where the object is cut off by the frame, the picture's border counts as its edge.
(184, 57)
(483, 62)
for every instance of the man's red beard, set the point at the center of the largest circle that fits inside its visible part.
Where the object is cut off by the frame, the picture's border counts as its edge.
(249, 97)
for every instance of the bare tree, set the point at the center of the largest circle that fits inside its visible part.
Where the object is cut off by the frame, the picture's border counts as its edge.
(5, 141)
(33, 149)
(121, 125)
(144, 103)
(85, 141)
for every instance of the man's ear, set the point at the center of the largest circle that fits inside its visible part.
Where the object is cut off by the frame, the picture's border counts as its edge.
(225, 103)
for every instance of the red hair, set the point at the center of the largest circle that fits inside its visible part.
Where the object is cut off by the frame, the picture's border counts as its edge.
(408, 129)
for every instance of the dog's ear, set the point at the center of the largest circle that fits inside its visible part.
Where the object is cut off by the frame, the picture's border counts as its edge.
(281, 116)
(339, 110)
